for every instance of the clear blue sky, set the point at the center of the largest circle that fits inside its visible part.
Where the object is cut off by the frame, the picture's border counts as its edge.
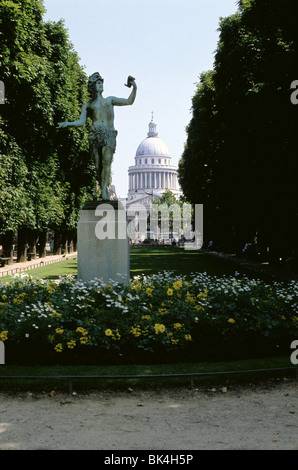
(164, 44)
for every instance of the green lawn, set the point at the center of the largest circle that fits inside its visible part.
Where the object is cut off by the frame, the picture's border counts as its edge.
(53, 271)
(148, 260)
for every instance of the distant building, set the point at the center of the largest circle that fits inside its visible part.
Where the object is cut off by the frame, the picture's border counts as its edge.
(152, 172)
(151, 175)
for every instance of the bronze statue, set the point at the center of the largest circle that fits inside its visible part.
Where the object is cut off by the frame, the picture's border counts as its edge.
(102, 136)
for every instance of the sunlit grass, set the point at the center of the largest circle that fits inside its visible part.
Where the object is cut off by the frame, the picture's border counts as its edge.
(148, 260)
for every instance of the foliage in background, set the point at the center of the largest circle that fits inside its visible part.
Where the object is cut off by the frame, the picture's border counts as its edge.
(240, 155)
(44, 84)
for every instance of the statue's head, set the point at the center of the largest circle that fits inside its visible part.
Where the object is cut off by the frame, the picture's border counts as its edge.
(92, 80)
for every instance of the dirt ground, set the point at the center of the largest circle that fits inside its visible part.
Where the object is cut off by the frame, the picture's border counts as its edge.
(246, 417)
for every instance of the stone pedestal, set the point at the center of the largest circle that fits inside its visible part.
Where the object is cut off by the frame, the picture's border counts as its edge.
(103, 244)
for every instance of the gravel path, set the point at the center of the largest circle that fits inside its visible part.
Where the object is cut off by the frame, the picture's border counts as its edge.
(249, 417)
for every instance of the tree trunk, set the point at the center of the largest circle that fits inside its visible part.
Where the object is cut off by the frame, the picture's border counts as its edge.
(57, 243)
(42, 244)
(7, 242)
(32, 242)
(75, 241)
(71, 242)
(22, 245)
(64, 243)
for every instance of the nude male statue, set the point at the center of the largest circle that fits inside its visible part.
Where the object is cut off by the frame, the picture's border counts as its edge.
(102, 136)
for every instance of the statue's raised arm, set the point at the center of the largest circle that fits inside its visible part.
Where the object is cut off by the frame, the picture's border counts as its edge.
(130, 100)
(102, 137)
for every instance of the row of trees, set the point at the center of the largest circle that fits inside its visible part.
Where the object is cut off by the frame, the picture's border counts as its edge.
(240, 158)
(45, 174)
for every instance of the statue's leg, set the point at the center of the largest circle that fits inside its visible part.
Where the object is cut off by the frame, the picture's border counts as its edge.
(96, 154)
(107, 156)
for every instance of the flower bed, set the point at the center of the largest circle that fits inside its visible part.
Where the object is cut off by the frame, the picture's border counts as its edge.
(191, 317)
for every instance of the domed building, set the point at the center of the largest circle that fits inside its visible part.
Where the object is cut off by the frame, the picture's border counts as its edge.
(152, 172)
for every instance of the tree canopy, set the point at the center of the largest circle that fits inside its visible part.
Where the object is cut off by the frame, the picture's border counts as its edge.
(240, 156)
(46, 174)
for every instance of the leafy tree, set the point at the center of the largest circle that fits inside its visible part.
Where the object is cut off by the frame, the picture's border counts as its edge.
(15, 204)
(44, 84)
(241, 140)
(171, 213)
(197, 164)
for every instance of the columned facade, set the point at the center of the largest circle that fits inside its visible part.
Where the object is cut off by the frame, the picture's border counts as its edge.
(146, 179)
(152, 172)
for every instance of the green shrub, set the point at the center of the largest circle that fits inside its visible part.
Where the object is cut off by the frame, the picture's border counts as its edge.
(199, 315)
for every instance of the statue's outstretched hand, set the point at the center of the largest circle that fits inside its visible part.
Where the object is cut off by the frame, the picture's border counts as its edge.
(130, 81)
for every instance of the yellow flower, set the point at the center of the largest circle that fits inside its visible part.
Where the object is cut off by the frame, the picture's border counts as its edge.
(149, 291)
(56, 314)
(71, 344)
(177, 326)
(162, 311)
(187, 337)
(231, 320)
(190, 298)
(137, 287)
(170, 291)
(159, 328)
(4, 297)
(84, 339)
(58, 347)
(203, 295)
(117, 335)
(146, 317)
(59, 331)
(82, 331)
(136, 331)
(174, 341)
(177, 285)
(199, 307)
(3, 335)
(19, 298)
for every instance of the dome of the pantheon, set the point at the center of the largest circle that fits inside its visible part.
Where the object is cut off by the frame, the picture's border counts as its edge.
(153, 170)
(152, 145)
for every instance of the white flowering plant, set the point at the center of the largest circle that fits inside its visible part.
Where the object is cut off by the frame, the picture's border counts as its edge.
(200, 315)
